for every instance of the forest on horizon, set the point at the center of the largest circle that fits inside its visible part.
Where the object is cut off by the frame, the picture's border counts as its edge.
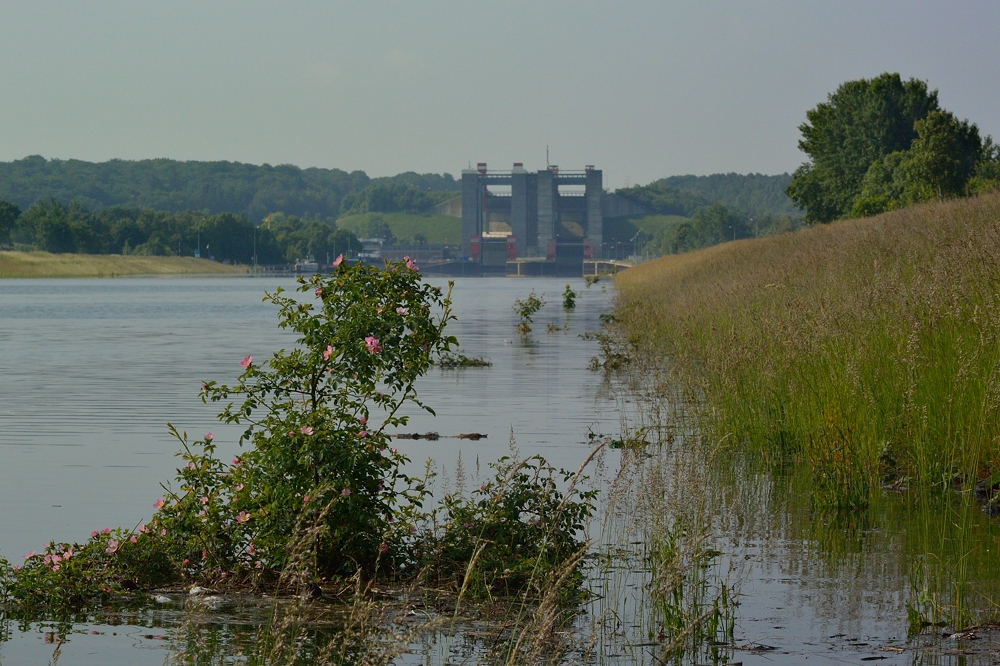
(257, 191)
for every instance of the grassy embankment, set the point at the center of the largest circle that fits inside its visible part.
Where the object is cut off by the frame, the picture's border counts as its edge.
(436, 229)
(47, 265)
(866, 349)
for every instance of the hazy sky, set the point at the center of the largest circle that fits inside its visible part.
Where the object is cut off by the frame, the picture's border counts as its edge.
(640, 89)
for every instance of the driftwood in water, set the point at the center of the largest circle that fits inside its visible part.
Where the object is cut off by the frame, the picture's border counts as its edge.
(435, 436)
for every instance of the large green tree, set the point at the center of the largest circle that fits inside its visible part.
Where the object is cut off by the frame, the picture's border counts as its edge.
(943, 158)
(859, 124)
(944, 155)
(9, 213)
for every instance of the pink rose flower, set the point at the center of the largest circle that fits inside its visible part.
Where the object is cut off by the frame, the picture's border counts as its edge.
(328, 353)
(242, 517)
(338, 261)
(319, 292)
(112, 547)
(402, 311)
(373, 345)
(306, 430)
(247, 361)
(209, 437)
(363, 434)
(345, 492)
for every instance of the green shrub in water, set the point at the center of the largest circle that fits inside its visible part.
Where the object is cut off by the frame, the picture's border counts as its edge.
(569, 298)
(513, 532)
(525, 310)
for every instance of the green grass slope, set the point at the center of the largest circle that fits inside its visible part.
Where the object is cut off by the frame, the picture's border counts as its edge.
(436, 229)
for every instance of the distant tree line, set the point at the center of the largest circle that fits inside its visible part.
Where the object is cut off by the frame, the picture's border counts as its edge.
(753, 195)
(392, 198)
(884, 143)
(212, 187)
(718, 224)
(663, 199)
(717, 208)
(53, 226)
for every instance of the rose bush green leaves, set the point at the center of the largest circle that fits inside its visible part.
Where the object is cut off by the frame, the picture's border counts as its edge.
(319, 457)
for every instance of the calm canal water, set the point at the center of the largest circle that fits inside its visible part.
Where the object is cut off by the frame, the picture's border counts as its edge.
(92, 370)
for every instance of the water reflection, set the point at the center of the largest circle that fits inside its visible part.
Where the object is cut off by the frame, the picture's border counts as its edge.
(92, 370)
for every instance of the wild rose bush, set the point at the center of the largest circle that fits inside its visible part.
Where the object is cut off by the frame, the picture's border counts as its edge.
(319, 466)
(112, 564)
(318, 480)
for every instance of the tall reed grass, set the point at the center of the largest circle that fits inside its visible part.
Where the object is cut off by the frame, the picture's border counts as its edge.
(868, 350)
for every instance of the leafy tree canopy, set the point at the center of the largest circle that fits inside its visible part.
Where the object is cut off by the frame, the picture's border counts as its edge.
(879, 144)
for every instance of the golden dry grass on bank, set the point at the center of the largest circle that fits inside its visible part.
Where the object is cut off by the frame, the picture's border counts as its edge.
(868, 349)
(47, 265)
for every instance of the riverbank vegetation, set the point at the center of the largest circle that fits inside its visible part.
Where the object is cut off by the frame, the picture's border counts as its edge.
(867, 350)
(46, 265)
